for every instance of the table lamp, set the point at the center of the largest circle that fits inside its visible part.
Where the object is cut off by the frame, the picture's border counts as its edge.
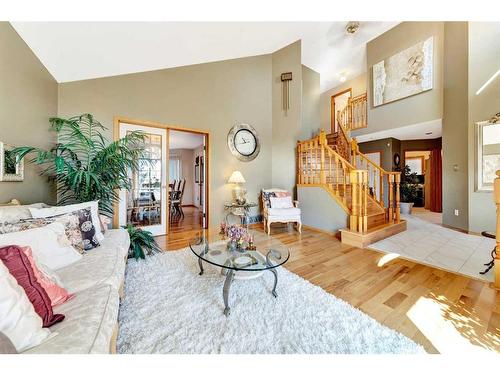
(239, 192)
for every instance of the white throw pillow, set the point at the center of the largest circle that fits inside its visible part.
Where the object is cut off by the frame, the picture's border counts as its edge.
(13, 213)
(281, 202)
(18, 319)
(38, 213)
(49, 244)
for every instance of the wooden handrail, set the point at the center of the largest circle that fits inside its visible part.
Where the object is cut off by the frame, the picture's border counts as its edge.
(496, 196)
(377, 178)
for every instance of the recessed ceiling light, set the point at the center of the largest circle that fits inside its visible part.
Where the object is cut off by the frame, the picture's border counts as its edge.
(342, 78)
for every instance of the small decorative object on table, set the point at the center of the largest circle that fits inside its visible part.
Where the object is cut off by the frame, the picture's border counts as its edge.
(237, 235)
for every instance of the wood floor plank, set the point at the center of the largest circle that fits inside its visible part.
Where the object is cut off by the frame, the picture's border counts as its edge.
(436, 308)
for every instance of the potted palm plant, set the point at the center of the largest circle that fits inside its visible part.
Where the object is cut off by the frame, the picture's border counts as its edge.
(408, 190)
(85, 166)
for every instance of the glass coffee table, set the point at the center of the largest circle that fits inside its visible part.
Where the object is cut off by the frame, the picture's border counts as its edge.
(241, 264)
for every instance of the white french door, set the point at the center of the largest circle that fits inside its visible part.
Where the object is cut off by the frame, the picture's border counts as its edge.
(145, 204)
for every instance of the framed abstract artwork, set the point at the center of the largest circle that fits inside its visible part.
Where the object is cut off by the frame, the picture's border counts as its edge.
(404, 74)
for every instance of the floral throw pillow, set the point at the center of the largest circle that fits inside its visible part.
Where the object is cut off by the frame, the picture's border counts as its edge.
(267, 195)
(87, 229)
(71, 224)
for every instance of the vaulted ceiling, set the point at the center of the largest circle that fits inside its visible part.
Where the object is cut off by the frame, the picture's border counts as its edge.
(74, 51)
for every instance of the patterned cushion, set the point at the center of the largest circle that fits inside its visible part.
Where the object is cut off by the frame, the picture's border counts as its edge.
(71, 224)
(87, 229)
(266, 195)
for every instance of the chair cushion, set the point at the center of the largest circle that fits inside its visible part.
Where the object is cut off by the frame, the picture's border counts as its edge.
(284, 212)
(281, 202)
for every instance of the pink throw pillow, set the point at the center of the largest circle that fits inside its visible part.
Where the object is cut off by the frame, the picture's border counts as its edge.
(282, 194)
(19, 266)
(56, 293)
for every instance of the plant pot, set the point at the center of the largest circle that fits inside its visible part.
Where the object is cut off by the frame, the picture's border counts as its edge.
(405, 208)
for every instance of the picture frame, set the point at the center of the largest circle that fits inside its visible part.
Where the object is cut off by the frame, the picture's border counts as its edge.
(10, 170)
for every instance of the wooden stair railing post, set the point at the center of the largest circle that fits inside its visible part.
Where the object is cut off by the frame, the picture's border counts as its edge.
(353, 218)
(496, 194)
(354, 151)
(390, 203)
(397, 208)
(322, 143)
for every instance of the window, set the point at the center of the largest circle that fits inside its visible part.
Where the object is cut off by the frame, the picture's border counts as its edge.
(174, 168)
(415, 164)
(488, 154)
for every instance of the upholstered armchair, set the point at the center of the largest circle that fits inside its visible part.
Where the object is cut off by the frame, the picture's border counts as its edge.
(281, 210)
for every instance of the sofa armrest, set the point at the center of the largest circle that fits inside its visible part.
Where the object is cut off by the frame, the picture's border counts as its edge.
(296, 203)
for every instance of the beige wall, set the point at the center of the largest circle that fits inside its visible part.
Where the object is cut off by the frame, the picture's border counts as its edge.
(212, 96)
(358, 86)
(28, 98)
(455, 123)
(310, 103)
(415, 109)
(286, 124)
(484, 61)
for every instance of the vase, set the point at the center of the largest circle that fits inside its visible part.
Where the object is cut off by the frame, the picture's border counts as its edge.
(232, 245)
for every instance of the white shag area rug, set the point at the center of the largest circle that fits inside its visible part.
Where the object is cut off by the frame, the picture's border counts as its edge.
(169, 308)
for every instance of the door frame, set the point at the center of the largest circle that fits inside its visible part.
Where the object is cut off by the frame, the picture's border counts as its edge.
(333, 125)
(153, 124)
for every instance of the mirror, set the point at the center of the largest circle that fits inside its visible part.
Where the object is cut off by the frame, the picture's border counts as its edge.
(11, 167)
(488, 153)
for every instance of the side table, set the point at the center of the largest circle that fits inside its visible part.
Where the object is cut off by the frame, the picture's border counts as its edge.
(240, 210)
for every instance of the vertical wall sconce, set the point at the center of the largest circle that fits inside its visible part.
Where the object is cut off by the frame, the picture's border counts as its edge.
(285, 82)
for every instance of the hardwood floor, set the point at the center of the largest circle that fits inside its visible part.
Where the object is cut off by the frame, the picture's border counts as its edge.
(443, 311)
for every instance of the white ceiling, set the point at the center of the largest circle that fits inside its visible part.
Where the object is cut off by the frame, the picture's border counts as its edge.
(406, 133)
(179, 139)
(74, 51)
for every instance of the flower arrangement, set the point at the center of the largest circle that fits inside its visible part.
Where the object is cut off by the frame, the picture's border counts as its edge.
(236, 234)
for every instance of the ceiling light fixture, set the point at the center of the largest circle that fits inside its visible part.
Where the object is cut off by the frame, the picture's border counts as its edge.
(343, 78)
(488, 82)
(352, 27)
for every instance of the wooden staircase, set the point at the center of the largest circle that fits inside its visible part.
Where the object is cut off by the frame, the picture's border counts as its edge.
(366, 192)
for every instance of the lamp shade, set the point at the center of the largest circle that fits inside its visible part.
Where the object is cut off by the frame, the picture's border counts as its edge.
(236, 178)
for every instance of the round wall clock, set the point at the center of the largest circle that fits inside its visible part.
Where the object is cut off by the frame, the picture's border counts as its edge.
(243, 141)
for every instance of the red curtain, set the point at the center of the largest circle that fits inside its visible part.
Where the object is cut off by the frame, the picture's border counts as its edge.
(436, 181)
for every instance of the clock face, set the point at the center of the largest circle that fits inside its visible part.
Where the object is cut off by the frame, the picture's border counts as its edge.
(245, 142)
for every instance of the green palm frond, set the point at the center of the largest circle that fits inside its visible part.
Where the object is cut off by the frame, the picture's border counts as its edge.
(83, 164)
(142, 243)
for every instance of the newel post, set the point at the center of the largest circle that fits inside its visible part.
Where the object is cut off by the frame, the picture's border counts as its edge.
(398, 181)
(496, 195)
(353, 218)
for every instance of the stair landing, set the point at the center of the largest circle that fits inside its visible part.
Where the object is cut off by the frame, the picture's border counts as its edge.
(372, 235)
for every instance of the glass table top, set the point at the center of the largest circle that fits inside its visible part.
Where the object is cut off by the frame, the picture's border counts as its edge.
(269, 253)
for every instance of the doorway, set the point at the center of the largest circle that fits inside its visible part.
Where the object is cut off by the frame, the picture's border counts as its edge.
(170, 187)
(337, 103)
(427, 166)
(187, 181)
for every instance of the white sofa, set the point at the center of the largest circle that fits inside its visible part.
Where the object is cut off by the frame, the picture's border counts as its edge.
(91, 322)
